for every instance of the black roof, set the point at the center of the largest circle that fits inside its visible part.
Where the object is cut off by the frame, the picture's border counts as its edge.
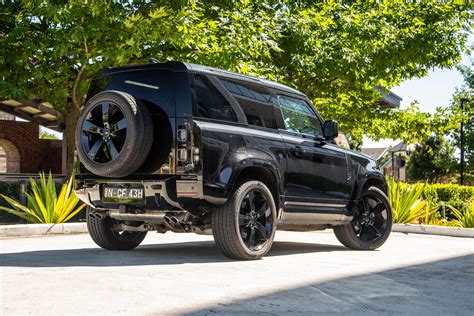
(182, 66)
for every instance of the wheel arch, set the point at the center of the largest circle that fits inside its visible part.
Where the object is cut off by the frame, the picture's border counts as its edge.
(264, 174)
(364, 182)
(373, 180)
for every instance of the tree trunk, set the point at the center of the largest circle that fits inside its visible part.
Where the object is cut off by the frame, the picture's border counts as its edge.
(70, 116)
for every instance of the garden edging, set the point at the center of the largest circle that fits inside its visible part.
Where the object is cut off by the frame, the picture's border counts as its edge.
(36, 230)
(433, 230)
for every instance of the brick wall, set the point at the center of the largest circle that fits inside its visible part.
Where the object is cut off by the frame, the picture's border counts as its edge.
(35, 154)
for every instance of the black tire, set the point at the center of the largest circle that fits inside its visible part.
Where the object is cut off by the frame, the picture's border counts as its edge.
(110, 149)
(352, 235)
(234, 220)
(100, 230)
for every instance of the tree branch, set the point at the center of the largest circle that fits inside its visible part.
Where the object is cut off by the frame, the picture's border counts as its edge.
(86, 50)
(76, 84)
(78, 79)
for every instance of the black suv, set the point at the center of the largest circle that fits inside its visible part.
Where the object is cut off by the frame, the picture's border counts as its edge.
(187, 148)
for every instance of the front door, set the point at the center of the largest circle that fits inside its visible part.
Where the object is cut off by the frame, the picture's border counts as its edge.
(317, 175)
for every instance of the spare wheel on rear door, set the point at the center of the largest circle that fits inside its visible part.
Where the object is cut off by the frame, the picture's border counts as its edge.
(114, 134)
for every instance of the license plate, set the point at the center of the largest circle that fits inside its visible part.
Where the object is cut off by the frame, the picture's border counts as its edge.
(127, 193)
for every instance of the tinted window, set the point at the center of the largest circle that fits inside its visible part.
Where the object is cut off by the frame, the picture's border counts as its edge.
(209, 102)
(299, 117)
(153, 86)
(255, 101)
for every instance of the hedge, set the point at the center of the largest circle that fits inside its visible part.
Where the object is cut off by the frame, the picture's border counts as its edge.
(458, 196)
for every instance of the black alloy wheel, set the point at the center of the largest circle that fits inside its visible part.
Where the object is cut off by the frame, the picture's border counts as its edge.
(371, 222)
(244, 228)
(111, 130)
(104, 132)
(371, 225)
(255, 220)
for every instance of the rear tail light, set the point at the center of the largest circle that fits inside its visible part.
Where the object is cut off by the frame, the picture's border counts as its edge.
(187, 156)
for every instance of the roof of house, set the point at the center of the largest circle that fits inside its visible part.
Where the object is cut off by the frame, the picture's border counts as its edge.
(375, 153)
(401, 146)
(389, 99)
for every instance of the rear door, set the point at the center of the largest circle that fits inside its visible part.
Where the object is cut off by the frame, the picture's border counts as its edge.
(316, 177)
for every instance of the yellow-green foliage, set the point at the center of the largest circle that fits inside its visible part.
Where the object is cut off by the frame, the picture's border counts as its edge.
(432, 204)
(44, 205)
(466, 219)
(407, 201)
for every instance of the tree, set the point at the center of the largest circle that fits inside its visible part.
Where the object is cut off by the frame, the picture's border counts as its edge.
(336, 52)
(432, 160)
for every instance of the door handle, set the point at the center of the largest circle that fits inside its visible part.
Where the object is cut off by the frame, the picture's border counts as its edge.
(297, 151)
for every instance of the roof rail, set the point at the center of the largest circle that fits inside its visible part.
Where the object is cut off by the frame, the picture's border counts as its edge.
(233, 74)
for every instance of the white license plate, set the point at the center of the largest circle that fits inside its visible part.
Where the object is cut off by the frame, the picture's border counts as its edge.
(123, 193)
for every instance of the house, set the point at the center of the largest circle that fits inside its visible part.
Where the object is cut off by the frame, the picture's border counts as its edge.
(392, 160)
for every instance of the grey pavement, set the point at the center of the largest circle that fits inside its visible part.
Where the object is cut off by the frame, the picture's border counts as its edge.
(305, 273)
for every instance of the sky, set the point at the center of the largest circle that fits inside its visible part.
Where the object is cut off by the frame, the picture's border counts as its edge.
(432, 91)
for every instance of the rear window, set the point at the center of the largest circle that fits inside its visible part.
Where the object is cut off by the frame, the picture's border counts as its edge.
(149, 86)
(209, 102)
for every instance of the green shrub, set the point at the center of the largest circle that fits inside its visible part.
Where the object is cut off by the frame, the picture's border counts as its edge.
(458, 196)
(44, 204)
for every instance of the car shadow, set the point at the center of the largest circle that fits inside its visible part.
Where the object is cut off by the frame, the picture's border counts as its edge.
(155, 254)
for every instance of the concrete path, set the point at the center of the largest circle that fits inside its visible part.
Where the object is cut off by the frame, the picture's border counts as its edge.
(305, 273)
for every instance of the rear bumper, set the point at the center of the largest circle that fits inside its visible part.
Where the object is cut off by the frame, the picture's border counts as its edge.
(165, 195)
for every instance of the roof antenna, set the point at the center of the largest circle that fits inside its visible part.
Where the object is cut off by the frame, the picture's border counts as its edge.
(154, 60)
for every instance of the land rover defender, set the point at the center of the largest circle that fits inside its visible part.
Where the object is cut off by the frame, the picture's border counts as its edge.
(188, 148)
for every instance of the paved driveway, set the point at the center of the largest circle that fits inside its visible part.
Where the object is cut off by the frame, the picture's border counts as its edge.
(183, 273)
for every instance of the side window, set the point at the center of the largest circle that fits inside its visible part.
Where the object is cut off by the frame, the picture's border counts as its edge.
(255, 101)
(299, 117)
(209, 102)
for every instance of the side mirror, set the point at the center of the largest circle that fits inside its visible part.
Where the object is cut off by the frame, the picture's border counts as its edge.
(331, 129)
